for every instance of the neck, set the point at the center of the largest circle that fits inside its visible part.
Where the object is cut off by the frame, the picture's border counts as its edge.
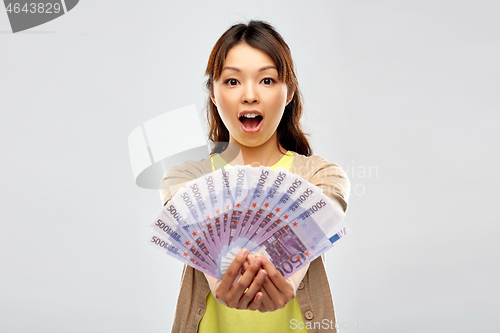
(266, 154)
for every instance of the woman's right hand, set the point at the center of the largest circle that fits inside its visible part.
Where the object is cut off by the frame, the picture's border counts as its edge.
(235, 296)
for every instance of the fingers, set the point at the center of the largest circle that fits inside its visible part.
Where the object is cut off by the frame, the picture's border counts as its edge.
(280, 292)
(260, 287)
(252, 298)
(246, 281)
(266, 303)
(277, 298)
(256, 303)
(277, 279)
(231, 273)
(246, 263)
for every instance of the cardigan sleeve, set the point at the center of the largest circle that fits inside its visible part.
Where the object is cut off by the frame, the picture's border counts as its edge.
(177, 176)
(327, 176)
(172, 181)
(334, 182)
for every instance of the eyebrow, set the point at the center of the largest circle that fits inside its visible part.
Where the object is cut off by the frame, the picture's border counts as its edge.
(239, 70)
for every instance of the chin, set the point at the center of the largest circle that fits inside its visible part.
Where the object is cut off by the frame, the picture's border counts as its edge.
(251, 140)
(252, 143)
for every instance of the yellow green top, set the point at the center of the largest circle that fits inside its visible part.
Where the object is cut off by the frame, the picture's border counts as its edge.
(285, 162)
(219, 318)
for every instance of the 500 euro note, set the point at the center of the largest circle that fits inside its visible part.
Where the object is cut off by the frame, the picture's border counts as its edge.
(173, 220)
(286, 196)
(303, 238)
(167, 246)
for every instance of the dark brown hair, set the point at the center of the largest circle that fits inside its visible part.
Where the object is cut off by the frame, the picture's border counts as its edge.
(260, 35)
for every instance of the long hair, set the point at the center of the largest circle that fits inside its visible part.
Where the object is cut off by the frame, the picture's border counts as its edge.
(260, 35)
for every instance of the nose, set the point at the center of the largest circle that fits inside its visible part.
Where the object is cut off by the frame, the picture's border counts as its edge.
(250, 94)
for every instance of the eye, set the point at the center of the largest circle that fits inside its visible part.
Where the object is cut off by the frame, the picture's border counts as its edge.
(268, 81)
(231, 82)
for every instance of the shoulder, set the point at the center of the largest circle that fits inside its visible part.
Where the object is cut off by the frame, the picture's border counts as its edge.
(178, 175)
(190, 169)
(312, 160)
(328, 176)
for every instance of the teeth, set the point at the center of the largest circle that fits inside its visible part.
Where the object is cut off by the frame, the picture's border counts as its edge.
(251, 115)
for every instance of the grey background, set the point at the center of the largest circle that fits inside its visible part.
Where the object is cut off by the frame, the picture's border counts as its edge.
(402, 94)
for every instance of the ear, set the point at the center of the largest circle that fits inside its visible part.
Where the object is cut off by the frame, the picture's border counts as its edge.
(212, 97)
(290, 93)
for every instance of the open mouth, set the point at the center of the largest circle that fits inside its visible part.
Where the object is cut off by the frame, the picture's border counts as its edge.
(251, 121)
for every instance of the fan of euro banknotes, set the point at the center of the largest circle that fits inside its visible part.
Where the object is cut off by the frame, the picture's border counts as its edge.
(272, 212)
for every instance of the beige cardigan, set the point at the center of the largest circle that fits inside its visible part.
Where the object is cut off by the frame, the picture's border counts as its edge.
(313, 294)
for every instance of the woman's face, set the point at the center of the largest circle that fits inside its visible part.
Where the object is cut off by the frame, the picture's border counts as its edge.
(249, 97)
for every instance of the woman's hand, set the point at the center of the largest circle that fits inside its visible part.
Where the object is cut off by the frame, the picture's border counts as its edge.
(276, 290)
(238, 296)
